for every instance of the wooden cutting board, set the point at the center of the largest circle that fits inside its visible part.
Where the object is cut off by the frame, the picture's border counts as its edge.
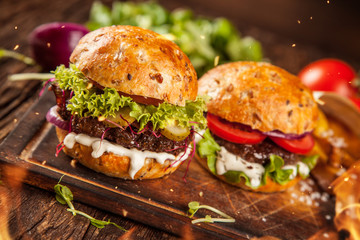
(297, 213)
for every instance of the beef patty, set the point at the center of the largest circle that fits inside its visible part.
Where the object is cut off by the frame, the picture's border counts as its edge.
(258, 153)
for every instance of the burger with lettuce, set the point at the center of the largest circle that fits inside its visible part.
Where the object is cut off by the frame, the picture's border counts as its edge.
(127, 106)
(260, 123)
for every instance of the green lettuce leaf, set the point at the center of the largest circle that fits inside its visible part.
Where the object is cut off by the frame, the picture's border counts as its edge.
(310, 161)
(235, 177)
(274, 171)
(87, 102)
(207, 147)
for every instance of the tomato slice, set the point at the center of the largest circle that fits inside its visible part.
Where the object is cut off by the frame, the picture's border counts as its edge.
(233, 132)
(300, 146)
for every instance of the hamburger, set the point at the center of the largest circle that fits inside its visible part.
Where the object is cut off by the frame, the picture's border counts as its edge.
(127, 105)
(260, 122)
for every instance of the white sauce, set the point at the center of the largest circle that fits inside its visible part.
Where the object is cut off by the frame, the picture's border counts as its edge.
(227, 161)
(137, 157)
(302, 167)
(199, 136)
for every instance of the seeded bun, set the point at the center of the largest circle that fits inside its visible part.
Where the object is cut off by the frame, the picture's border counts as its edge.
(136, 61)
(114, 165)
(269, 187)
(260, 95)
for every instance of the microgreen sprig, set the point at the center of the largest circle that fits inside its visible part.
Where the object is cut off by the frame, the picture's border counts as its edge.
(96, 222)
(18, 56)
(65, 196)
(195, 206)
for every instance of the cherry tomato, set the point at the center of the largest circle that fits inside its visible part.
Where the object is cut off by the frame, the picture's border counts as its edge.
(300, 146)
(329, 75)
(232, 132)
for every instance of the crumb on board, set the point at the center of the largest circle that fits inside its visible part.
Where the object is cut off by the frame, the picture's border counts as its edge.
(124, 212)
(73, 163)
(43, 162)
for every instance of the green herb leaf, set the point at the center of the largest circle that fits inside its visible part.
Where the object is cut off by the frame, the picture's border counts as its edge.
(96, 222)
(86, 102)
(195, 206)
(202, 39)
(65, 196)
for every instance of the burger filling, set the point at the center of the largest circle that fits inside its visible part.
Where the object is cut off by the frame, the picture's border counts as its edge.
(253, 163)
(114, 118)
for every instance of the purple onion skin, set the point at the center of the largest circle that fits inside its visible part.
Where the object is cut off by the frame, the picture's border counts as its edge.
(52, 43)
(53, 118)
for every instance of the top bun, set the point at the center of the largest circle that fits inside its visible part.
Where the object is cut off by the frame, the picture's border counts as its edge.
(136, 61)
(260, 95)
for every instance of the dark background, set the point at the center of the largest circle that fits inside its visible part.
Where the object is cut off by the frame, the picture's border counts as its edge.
(326, 29)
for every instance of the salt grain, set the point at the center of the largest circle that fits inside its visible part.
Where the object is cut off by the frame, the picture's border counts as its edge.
(324, 197)
(294, 195)
(315, 195)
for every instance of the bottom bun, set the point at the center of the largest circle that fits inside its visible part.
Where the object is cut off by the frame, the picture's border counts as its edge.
(115, 165)
(270, 186)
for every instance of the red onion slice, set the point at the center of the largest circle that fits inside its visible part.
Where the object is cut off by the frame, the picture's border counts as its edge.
(54, 118)
(289, 136)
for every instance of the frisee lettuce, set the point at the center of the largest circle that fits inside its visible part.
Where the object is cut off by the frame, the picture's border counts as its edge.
(207, 147)
(87, 102)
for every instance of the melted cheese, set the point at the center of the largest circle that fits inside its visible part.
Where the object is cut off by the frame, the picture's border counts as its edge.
(137, 157)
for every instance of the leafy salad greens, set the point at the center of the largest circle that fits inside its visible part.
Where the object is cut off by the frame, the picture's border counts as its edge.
(202, 39)
(207, 147)
(87, 102)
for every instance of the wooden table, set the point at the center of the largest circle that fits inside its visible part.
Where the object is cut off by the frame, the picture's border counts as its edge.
(32, 213)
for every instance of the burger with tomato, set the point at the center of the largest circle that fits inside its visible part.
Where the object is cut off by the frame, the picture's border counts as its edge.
(127, 105)
(260, 123)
